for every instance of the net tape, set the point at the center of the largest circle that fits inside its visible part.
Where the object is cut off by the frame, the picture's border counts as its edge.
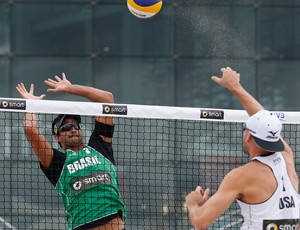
(135, 111)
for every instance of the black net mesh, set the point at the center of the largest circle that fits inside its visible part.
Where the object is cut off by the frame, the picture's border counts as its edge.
(158, 162)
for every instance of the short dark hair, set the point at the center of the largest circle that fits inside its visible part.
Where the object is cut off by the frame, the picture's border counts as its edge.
(58, 121)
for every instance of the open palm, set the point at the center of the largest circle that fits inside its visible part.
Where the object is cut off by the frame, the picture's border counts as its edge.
(28, 95)
(58, 85)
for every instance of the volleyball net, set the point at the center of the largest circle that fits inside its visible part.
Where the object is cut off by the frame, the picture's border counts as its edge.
(162, 153)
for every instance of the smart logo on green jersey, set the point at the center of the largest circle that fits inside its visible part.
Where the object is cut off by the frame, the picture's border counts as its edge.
(85, 182)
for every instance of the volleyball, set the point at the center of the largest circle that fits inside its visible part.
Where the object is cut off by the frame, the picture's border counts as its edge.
(144, 8)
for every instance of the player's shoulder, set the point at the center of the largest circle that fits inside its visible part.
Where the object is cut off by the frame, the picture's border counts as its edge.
(248, 170)
(252, 170)
(236, 178)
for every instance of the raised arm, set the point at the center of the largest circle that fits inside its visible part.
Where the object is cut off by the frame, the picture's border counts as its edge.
(231, 80)
(93, 94)
(39, 144)
(65, 86)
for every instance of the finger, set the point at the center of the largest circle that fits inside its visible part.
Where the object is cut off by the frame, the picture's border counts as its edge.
(42, 96)
(216, 79)
(18, 86)
(206, 193)
(57, 78)
(64, 76)
(223, 69)
(22, 87)
(31, 90)
(19, 90)
(50, 83)
(199, 189)
(51, 90)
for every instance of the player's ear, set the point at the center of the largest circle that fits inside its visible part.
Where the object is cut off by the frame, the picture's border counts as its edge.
(56, 137)
(249, 137)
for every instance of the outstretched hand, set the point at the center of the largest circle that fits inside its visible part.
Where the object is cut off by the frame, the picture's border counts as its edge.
(230, 79)
(28, 95)
(59, 84)
(197, 197)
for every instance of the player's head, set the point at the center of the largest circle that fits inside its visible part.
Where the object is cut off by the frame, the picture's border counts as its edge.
(67, 130)
(265, 128)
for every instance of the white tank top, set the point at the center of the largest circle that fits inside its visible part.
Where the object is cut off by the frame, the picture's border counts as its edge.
(282, 209)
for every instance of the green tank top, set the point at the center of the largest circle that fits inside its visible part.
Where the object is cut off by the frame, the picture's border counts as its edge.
(89, 187)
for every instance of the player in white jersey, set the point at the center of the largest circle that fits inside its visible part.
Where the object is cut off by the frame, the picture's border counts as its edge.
(285, 213)
(266, 188)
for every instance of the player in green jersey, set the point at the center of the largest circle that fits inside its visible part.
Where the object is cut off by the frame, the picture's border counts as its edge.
(85, 176)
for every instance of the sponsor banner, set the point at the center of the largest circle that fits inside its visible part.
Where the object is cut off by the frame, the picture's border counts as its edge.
(92, 180)
(212, 114)
(13, 104)
(288, 224)
(114, 109)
